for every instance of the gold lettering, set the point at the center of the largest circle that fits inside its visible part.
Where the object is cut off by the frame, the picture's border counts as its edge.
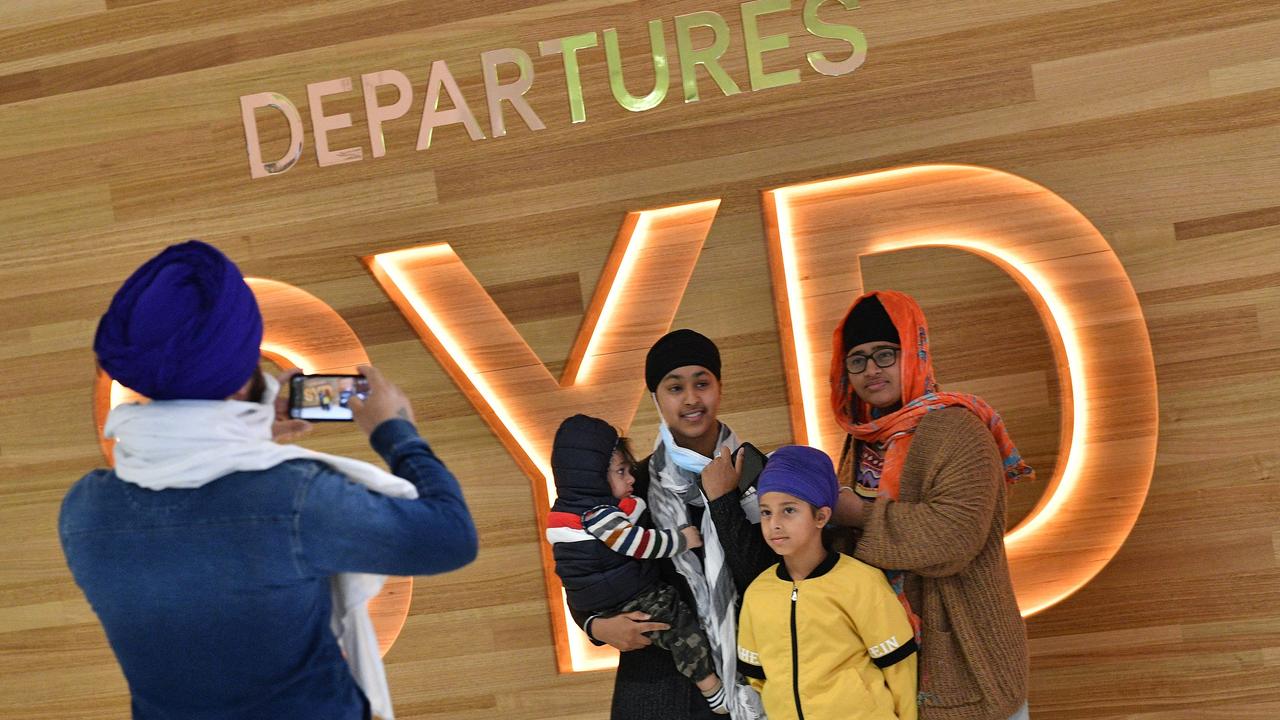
(661, 70)
(378, 114)
(321, 124)
(433, 118)
(513, 93)
(249, 105)
(708, 57)
(569, 47)
(757, 46)
(817, 27)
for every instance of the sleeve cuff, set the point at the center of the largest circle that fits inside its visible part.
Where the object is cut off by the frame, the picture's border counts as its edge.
(391, 435)
(682, 543)
(586, 628)
(727, 503)
(755, 672)
(901, 653)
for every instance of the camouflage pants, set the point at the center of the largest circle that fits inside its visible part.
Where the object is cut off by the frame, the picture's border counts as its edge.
(684, 639)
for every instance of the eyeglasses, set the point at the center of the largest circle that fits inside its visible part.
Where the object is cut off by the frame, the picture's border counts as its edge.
(883, 358)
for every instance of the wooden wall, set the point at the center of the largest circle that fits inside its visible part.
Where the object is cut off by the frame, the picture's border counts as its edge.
(1159, 120)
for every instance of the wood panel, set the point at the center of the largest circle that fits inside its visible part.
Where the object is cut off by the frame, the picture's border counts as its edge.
(1159, 120)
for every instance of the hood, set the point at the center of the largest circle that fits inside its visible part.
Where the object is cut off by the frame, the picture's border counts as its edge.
(580, 459)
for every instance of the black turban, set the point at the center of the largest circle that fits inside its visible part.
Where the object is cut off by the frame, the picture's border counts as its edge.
(677, 349)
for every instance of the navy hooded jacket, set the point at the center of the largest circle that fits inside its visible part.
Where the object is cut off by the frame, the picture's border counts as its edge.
(595, 577)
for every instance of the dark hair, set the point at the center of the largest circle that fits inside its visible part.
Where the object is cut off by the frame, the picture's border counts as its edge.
(624, 446)
(257, 387)
(829, 532)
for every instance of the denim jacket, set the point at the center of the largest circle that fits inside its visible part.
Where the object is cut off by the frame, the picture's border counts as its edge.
(216, 600)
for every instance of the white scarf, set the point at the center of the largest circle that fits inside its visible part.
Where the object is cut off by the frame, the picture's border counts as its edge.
(676, 471)
(186, 444)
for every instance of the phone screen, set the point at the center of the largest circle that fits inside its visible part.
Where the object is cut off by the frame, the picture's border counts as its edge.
(325, 397)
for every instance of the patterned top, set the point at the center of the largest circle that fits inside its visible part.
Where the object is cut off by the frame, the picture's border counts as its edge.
(869, 468)
(618, 529)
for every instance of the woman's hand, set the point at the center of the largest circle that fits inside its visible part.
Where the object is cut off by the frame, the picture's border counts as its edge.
(626, 631)
(285, 428)
(851, 511)
(722, 474)
(692, 538)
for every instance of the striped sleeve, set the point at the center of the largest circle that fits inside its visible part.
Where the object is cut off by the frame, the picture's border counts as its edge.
(611, 526)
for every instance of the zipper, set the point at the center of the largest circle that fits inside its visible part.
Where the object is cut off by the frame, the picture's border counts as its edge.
(795, 652)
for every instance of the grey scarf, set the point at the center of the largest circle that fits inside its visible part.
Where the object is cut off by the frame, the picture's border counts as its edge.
(674, 472)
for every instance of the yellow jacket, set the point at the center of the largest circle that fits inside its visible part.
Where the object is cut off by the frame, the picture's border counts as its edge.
(847, 633)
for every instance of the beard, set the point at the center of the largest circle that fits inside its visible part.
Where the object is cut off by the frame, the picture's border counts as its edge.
(257, 386)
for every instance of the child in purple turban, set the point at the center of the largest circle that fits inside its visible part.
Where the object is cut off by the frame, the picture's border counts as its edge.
(821, 634)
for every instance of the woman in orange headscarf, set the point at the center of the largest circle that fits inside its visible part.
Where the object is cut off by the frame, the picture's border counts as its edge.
(923, 476)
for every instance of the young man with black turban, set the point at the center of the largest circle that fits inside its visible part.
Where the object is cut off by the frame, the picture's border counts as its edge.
(689, 479)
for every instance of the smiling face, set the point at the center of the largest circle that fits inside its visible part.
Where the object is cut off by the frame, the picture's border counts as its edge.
(689, 399)
(878, 387)
(621, 481)
(791, 525)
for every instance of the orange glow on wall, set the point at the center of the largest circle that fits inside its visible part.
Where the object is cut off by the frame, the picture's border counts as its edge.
(819, 230)
(634, 304)
(299, 330)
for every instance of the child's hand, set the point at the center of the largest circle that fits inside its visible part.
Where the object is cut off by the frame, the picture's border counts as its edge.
(692, 537)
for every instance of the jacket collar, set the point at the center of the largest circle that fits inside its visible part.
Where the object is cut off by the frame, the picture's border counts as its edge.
(823, 567)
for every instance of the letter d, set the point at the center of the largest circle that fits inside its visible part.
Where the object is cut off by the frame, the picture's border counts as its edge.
(249, 105)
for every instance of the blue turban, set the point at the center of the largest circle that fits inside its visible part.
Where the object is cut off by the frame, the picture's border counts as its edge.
(801, 471)
(184, 326)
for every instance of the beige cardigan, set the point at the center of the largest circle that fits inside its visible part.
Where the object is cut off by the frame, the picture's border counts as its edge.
(947, 530)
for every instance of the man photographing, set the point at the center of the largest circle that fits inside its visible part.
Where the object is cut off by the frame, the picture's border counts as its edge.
(231, 572)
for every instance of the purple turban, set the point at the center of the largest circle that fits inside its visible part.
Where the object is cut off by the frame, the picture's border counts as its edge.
(801, 471)
(184, 326)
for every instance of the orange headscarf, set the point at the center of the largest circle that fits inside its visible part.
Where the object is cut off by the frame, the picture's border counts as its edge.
(920, 396)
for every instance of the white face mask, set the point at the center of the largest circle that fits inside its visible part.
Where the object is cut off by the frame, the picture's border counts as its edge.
(683, 457)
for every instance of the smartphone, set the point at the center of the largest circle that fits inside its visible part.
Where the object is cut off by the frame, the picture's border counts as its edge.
(325, 398)
(752, 463)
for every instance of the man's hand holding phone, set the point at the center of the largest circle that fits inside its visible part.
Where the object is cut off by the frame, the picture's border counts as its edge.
(722, 474)
(287, 428)
(384, 402)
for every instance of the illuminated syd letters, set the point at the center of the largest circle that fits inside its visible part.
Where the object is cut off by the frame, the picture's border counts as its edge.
(816, 232)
